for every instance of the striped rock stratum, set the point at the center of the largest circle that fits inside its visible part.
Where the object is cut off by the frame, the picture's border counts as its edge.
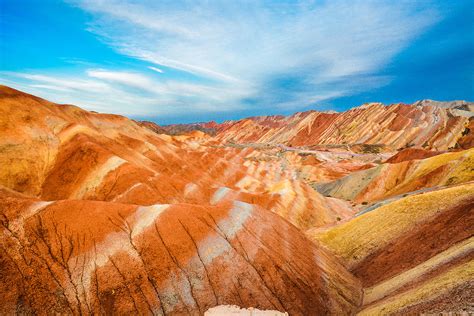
(366, 211)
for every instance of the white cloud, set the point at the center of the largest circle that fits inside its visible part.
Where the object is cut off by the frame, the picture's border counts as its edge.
(49, 87)
(69, 84)
(282, 55)
(115, 92)
(130, 79)
(156, 69)
(245, 45)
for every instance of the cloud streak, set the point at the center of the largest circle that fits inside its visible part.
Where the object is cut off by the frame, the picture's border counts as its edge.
(236, 56)
(121, 92)
(249, 44)
(156, 69)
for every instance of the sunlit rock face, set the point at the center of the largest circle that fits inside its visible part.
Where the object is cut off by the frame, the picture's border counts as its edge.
(365, 211)
(413, 255)
(93, 256)
(57, 152)
(428, 124)
(396, 179)
(101, 215)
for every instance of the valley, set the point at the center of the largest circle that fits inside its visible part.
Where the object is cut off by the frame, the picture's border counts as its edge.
(368, 211)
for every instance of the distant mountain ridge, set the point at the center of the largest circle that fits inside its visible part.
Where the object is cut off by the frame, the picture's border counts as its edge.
(429, 124)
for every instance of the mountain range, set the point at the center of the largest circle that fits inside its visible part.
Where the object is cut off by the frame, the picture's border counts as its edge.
(368, 211)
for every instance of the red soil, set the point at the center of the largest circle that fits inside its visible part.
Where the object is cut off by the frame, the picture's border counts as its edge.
(429, 239)
(106, 243)
(143, 223)
(411, 154)
(188, 258)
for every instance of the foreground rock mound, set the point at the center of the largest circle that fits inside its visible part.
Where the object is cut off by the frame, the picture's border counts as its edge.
(87, 256)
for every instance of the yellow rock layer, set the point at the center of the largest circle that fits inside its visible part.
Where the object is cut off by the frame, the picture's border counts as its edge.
(427, 291)
(355, 240)
(389, 286)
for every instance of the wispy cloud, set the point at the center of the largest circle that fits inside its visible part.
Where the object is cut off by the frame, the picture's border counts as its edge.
(130, 79)
(156, 69)
(248, 44)
(240, 54)
(70, 84)
(121, 92)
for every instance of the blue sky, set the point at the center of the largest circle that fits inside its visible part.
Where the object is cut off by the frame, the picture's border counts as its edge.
(185, 61)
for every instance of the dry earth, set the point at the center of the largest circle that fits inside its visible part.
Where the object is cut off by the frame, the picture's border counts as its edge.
(367, 211)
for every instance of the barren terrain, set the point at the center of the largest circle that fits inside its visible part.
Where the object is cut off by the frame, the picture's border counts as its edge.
(368, 211)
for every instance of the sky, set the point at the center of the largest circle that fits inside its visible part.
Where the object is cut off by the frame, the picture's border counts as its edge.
(188, 61)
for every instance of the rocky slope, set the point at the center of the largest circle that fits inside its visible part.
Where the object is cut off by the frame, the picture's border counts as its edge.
(392, 179)
(412, 255)
(101, 214)
(80, 256)
(396, 126)
(180, 129)
(428, 124)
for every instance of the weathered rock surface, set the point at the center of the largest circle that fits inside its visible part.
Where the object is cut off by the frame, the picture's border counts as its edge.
(63, 152)
(103, 215)
(411, 154)
(235, 310)
(412, 255)
(392, 179)
(427, 124)
(78, 256)
(100, 215)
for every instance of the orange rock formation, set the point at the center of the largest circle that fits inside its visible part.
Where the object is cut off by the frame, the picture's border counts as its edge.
(101, 214)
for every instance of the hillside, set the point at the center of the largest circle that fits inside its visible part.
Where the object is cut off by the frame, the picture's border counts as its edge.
(315, 213)
(428, 124)
(412, 255)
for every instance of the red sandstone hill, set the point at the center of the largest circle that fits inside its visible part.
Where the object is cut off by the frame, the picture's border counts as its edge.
(428, 124)
(180, 129)
(410, 154)
(101, 214)
(152, 126)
